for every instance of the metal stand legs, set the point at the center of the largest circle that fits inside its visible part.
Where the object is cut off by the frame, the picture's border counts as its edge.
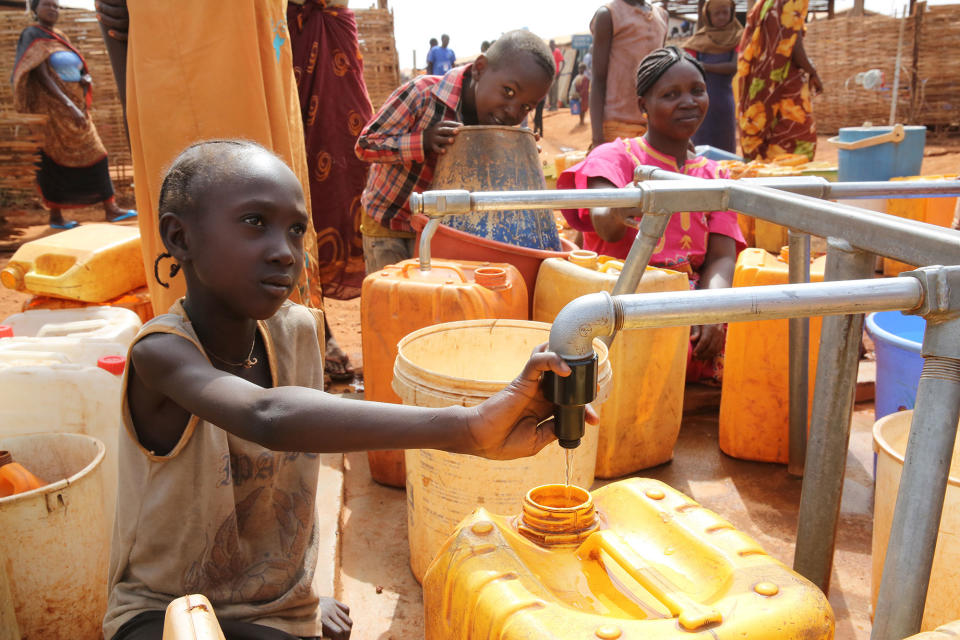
(926, 468)
(799, 357)
(830, 424)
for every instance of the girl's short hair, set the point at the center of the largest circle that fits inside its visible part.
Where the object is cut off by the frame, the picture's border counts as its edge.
(658, 62)
(196, 168)
(505, 49)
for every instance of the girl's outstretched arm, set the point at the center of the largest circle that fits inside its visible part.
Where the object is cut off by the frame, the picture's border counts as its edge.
(303, 419)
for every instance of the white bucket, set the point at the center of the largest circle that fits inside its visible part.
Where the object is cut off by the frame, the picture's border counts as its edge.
(41, 396)
(463, 363)
(890, 435)
(53, 560)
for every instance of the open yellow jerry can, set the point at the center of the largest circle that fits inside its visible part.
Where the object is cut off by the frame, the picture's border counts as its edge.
(633, 560)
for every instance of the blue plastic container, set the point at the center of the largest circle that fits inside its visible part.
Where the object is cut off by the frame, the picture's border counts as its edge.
(880, 161)
(896, 339)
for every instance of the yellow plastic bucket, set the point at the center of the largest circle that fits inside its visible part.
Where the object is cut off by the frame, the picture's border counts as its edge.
(890, 435)
(464, 363)
(53, 560)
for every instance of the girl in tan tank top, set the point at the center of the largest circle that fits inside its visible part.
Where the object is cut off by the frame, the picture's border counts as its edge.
(224, 413)
(624, 32)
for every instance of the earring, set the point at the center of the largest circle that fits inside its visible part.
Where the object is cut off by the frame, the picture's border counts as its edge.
(174, 269)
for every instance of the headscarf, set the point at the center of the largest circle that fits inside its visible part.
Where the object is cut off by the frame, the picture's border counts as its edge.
(657, 63)
(711, 39)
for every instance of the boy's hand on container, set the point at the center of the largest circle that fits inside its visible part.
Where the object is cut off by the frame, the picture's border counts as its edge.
(518, 421)
(335, 617)
(437, 138)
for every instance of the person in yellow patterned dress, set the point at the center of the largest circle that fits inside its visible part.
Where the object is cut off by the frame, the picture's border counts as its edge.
(775, 82)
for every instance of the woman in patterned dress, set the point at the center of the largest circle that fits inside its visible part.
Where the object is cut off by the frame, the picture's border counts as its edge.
(775, 82)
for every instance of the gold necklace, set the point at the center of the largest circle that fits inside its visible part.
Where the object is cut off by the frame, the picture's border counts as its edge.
(246, 364)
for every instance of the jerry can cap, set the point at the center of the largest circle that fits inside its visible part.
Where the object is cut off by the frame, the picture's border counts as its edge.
(112, 364)
(490, 277)
(6, 331)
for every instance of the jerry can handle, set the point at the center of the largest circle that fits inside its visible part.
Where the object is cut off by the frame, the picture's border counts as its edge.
(60, 329)
(895, 135)
(691, 614)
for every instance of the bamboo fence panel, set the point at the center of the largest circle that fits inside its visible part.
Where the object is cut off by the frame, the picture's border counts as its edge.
(842, 47)
(381, 67)
(938, 72)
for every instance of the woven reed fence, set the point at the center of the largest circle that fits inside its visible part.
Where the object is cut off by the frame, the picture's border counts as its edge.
(22, 133)
(381, 67)
(928, 94)
(19, 139)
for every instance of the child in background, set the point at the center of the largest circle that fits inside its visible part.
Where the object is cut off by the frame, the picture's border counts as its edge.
(581, 90)
(672, 94)
(420, 120)
(223, 415)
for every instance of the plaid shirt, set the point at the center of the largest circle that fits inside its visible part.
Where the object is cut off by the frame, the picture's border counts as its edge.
(393, 142)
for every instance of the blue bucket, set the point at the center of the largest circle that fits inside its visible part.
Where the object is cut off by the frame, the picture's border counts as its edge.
(896, 339)
(869, 154)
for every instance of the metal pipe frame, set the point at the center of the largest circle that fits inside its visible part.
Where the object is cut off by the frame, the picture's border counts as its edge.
(799, 362)
(923, 482)
(833, 396)
(818, 187)
(926, 468)
(600, 314)
(439, 203)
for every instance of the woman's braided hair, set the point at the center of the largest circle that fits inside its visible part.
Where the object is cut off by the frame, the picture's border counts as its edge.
(658, 63)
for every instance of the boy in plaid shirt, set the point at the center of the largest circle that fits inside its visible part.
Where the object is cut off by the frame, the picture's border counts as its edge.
(421, 119)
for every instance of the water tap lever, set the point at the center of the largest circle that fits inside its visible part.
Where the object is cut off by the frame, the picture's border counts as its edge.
(571, 395)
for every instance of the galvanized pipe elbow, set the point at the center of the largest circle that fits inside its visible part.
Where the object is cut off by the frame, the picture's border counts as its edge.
(582, 320)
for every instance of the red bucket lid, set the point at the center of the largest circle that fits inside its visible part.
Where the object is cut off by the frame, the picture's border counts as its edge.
(6, 331)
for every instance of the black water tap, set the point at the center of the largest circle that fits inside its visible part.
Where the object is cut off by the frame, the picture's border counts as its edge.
(571, 394)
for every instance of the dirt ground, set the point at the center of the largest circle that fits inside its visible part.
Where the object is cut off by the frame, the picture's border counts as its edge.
(759, 499)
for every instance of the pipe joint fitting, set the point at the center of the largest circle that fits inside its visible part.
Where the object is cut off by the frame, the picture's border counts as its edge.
(435, 204)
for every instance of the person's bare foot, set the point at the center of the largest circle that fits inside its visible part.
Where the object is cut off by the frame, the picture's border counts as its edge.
(336, 363)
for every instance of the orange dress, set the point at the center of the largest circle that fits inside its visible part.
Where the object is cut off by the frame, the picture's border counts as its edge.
(197, 71)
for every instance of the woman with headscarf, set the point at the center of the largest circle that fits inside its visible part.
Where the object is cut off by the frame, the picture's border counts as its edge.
(715, 45)
(773, 84)
(51, 78)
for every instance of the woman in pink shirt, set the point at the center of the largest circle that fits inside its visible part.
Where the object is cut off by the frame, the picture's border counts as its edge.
(672, 95)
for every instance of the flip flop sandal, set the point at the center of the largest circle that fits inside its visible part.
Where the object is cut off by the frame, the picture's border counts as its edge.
(130, 214)
(66, 224)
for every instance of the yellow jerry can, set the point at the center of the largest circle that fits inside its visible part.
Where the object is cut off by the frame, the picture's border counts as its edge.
(633, 560)
(636, 432)
(92, 263)
(755, 397)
